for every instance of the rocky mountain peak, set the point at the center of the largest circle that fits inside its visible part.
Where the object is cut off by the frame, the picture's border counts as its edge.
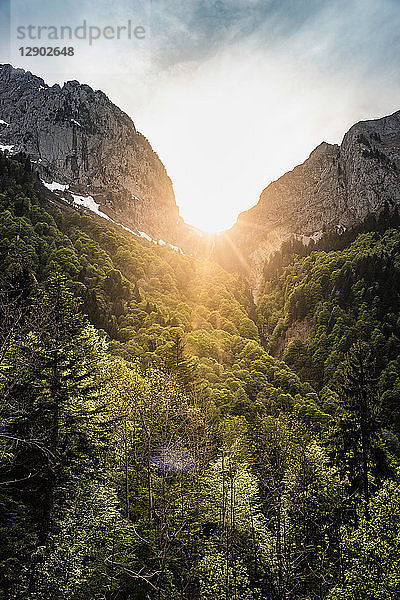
(77, 137)
(335, 188)
(8, 75)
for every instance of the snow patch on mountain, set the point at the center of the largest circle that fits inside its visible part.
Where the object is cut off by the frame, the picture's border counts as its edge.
(54, 186)
(89, 203)
(144, 235)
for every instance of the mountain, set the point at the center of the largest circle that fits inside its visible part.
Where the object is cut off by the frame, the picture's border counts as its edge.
(90, 151)
(78, 138)
(334, 189)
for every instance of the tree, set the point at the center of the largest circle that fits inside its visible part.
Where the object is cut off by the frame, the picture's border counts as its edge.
(178, 362)
(51, 426)
(360, 389)
(372, 551)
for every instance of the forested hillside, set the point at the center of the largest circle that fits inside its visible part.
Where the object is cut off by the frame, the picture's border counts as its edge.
(162, 437)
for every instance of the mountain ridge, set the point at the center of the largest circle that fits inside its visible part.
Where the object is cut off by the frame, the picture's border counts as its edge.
(76, 136)
(335, 188)
(84, 144)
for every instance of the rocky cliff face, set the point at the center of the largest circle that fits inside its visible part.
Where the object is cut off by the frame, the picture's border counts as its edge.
(76, 136)
(336, 187)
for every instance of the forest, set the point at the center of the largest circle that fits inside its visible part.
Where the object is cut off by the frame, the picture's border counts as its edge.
(164, 437)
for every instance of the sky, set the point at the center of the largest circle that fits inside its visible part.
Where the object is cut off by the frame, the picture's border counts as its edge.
(231, 94)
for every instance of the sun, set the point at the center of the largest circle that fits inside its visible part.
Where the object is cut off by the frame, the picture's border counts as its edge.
(209, 222)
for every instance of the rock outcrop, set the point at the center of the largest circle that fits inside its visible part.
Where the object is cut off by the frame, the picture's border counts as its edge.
(335, 188)
(77, 137)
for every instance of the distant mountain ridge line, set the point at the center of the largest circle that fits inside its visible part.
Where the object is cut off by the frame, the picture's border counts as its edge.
(77, 136)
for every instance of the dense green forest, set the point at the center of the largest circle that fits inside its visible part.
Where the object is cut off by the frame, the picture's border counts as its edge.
(163, 437)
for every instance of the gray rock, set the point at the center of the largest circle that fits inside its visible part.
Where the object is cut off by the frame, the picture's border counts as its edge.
(335, 188)
(77, 136)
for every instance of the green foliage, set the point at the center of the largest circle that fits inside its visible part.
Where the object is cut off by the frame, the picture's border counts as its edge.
(152, 447)
(372, 552)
